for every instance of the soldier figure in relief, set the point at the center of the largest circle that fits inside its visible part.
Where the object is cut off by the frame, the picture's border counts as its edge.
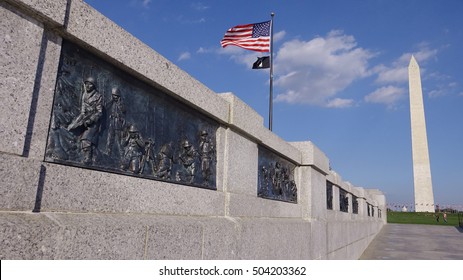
(165, 161)
(89, 119)
(134, 147)
(187, 159)
(206, 153)
(116, 123)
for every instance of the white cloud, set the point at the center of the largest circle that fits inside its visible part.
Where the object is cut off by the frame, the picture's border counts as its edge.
(199, 6)
(239, 55)
(398, 74)
(146, 3)
(443, 89)
(398, 71)
(386, 95)
(204, 50)
(437, 93)
(279, 36)
(394, 78)
(184, 56)
(315, 71)
(340, 103)
(425, 53)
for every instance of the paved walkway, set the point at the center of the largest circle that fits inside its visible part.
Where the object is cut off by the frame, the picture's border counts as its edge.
(416, 242)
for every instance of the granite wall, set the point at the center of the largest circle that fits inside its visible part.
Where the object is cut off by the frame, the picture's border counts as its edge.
(55, 211)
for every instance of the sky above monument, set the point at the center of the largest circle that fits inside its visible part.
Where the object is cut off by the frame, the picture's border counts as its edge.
(340, 76)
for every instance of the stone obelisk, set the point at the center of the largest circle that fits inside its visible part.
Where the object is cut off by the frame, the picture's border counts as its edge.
(424, 197)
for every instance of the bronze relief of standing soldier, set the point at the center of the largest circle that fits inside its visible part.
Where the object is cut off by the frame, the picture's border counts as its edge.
(89, 119)
(165, 161)
(206, 154)
(116, 123)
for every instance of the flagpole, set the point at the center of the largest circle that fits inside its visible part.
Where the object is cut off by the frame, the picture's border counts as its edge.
(270, 111)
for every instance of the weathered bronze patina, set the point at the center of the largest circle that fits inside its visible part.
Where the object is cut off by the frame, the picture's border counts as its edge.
(106, 119)
(276, 177)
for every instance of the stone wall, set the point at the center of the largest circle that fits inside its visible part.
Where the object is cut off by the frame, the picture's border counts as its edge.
(56, 211)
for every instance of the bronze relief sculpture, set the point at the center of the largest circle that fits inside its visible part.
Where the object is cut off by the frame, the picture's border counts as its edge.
(106, 119)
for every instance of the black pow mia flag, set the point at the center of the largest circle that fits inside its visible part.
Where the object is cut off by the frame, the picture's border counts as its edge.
(261, 63)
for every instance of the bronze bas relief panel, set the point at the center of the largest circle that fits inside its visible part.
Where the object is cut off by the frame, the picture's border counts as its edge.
(105, 119)
(275, 177)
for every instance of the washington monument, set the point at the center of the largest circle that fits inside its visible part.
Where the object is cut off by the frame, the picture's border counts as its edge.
(424, 197)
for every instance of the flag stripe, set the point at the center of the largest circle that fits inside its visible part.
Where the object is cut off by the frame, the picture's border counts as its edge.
(254, 37)
(246, 43)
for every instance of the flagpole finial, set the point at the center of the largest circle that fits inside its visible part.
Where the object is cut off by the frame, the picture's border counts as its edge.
(272, 14)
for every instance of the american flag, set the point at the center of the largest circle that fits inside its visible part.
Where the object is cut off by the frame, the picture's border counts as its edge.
(254, 36)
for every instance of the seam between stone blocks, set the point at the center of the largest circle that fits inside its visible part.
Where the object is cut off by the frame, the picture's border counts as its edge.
(146, 242)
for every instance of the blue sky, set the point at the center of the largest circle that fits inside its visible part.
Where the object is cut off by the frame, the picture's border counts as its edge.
(340, 76)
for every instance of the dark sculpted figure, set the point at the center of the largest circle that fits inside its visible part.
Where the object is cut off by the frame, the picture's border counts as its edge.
(134, 147)
(116, 123)
(166, 160)
(89, 118)
(206, 153)
(187, 159)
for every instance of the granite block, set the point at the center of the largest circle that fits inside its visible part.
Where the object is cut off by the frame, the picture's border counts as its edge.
(318, 240)
(336, 235)
(20, 50)
(340, 254)
(39, 120)
(221, 164)
(356, 249)
(75, 189)
(220, 240)
(129, 53)
(274, 239)
(175, 238)
(377, 196)
(312, 155)
(277, 144)
(20, 179)
(99, 236)
(241, 164)
(334, 177)
(357, 191)
(26, 236)
(304, 189)
(242, 116)
(245, 119)
(318, 195)
(347, 186)
(52, 11)
(240, 205)
(362, 208)
(336, 205)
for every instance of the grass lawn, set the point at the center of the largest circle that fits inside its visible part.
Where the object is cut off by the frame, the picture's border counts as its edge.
(421, 218)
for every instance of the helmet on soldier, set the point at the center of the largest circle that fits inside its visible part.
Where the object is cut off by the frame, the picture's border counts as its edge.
(116, 92)
(132, 128)
(186, 144)
(90, 80)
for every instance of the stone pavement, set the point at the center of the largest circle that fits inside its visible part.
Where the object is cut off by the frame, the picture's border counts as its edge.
(416, 242)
